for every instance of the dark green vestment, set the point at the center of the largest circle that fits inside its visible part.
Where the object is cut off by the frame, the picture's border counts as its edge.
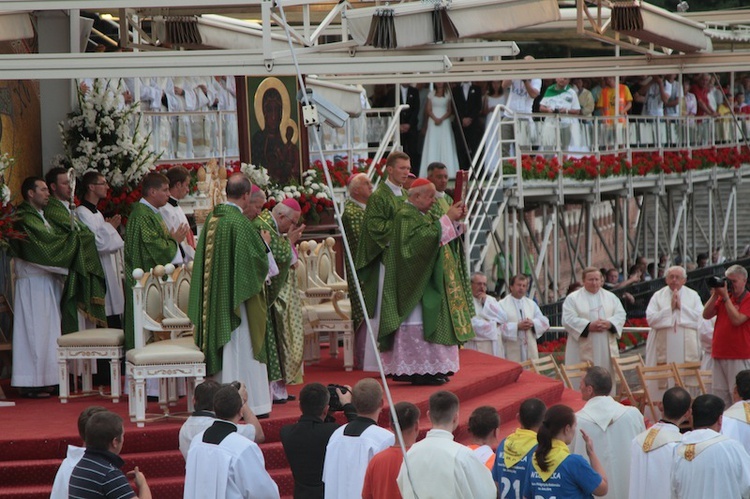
(85, 286)
(374, 239)
(353, 220)
(415, 252)
(229, 272)
(147, 244)
(284, 334)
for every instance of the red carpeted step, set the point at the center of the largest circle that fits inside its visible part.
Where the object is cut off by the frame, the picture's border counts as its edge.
(26, 492)
(274, 455)
(28, 472)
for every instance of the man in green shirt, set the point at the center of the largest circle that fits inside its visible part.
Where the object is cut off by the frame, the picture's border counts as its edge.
(375, 238)
(284, 331)
(418, 340)
(227, 296)
(148, 243)
(360, 190)
(85, 287)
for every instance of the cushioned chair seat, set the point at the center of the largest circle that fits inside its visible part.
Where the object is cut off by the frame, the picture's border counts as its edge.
(93, 337)
(326, 312)
(179, 351)
(176, 322)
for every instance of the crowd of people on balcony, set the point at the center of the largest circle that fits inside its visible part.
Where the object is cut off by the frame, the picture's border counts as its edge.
(577, 102)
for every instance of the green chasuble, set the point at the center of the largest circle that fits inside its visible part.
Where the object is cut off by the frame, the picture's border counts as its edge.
(415, 252)
(353, 219)
(456, 277)
(284, 330)
(229, 272)
(373, 240)
(147, 244)
(85, 287)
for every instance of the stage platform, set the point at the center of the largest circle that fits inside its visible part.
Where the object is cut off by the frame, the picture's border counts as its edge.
(36, 432)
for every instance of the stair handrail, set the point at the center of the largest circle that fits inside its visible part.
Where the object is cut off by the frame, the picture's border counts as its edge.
(390, 133)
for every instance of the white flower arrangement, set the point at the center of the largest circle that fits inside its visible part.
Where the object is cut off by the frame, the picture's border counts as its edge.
(106, 135)
(257, 175)
(6, 163)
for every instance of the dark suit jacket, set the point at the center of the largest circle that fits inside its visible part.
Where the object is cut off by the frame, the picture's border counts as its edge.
(305, 448)
(467, 108)
(410, 139)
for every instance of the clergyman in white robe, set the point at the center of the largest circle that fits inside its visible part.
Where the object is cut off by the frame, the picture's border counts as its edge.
(674, 314)
(651, 461)
(234, 468)
(708, 464)
(174, 217)
(488, 325)
(108, 244)
(736, 421)
(38, 289)
(580, 309)
(612, 427)
(520, 345)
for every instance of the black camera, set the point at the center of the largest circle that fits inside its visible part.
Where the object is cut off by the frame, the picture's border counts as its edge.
(715, 281)
(334, 403)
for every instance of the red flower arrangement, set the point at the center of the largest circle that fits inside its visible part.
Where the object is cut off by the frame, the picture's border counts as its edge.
(8, 231)
(642, 163)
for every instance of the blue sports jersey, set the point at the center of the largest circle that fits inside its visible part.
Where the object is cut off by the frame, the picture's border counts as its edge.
(573, 479)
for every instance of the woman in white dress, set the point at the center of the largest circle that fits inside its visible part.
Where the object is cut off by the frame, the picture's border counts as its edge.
(439, 144)
(492, 99)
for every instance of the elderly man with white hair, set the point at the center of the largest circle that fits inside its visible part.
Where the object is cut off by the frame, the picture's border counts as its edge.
(284, 335)
(359, 190)
(730, 304)
(489, 321)
(418, 339)
(674, 314)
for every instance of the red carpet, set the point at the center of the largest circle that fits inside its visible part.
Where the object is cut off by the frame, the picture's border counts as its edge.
(35, 433)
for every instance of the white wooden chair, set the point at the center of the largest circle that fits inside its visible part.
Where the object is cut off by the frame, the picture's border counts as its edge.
(166, 360)
(88, 346)
(325, 306)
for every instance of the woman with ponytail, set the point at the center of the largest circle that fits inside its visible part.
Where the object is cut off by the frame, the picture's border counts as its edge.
(556, 473)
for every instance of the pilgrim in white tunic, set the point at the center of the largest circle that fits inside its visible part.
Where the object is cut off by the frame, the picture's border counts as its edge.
(651, 461)
(488, 325)
(709, 465)
(62, 478)
(581, 308)
(347, 457)
(232, 469)
(521, 345)
(440, 467)
(174, 217)
(38, 288)
(736, 423)
(108, 244)
(612, 427)
(201, 420)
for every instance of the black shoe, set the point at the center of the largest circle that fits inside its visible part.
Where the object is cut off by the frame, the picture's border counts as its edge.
(291, 398)
(280, 401)
(428, 380)
(263, 416)
(409, 378)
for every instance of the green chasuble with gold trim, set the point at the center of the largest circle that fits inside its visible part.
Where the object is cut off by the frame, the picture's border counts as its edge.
(147, 244)
(455, 276)
(229, 272)
(415, 252)
(45, 245)
(85, 287)
(284, 330)
(353, 220)
(374, 239)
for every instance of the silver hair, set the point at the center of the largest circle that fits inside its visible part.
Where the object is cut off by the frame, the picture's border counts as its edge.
(356, 181)
(679, 268)
(473, 275)
(736, 270)
(282, 209)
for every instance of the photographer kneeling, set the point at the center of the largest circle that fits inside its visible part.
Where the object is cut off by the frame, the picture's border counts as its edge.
(305, 441)
(730, 304)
